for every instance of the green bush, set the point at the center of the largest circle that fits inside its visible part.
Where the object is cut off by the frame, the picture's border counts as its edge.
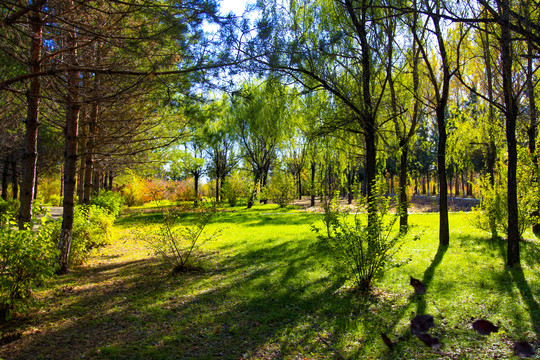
(359, 251)
(180, 246)
(233, 189)
(92, 228)
(492, 213)
(26, 257)
(111, 201)
(281, 189)
(9, 209)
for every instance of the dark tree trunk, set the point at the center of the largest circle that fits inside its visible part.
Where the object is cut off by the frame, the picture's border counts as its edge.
(91, 186)
(463, 182)
(31, 122)
(96, 183)
(14, 178)
(264, 177)
(491, 156)
(217, 189)
(313, 176)
(511, 113)
(70, 154)
(111, 178)
(5, 176)
(36, 184)
(299, 180)
(444, 230)
(440, 109)
(371, 171)
(253, 194)
(533, 122)
(196, 176)
(62, 181)
(83, 138)
(470, 185)
(403, 202)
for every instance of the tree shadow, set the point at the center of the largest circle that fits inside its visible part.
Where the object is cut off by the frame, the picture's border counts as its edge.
(526, 293)
(256, 305)
(428, 277)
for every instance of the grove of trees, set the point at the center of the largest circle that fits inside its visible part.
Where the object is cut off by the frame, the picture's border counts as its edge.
(335, 93)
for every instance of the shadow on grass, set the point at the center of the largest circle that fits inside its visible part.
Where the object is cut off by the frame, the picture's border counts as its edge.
(533, 308)
(428, 277)
(257, 306)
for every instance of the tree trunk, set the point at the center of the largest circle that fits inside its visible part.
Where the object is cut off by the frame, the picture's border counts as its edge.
(196, 176)
(533, 124)
(463, 182)
(371, 172)
(5, 175)
(91, 187)
(313, 175)
(511, 113)
(217, 189)
(403, 202)
(83, 139)
(253, 195)
(96, 182)
(444, 231)
(299, 179)
(14, 180)
(31, 122)
(36, 184)
(350, 180)
(89, 183)
(491, 154)
(70, 152)
(470, 185)
(62, 181)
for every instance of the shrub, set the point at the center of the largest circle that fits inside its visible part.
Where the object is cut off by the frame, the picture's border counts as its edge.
(281, 189)
(110, 201)
(92, 228)
(9, 209)
(492, 213)
(26, 257)
(359, 251)
(233, 189)
(180, 246)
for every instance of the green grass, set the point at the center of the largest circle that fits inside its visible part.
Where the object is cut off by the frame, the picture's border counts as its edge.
(266, 295)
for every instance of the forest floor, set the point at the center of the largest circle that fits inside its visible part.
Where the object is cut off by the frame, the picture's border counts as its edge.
(266, 294)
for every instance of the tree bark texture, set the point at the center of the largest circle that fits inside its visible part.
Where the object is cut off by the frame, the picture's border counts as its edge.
(511, 113)
(70, 153)
(313, 175)
(403, 201)
(31, 122)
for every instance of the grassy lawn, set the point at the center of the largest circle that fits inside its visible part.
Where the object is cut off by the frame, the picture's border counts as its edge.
(265, 294)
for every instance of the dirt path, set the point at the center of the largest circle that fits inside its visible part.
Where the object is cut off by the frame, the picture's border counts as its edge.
(418, 203)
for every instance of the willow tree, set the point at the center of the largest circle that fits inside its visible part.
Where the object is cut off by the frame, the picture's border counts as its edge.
(338, 47)
(259, 114)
